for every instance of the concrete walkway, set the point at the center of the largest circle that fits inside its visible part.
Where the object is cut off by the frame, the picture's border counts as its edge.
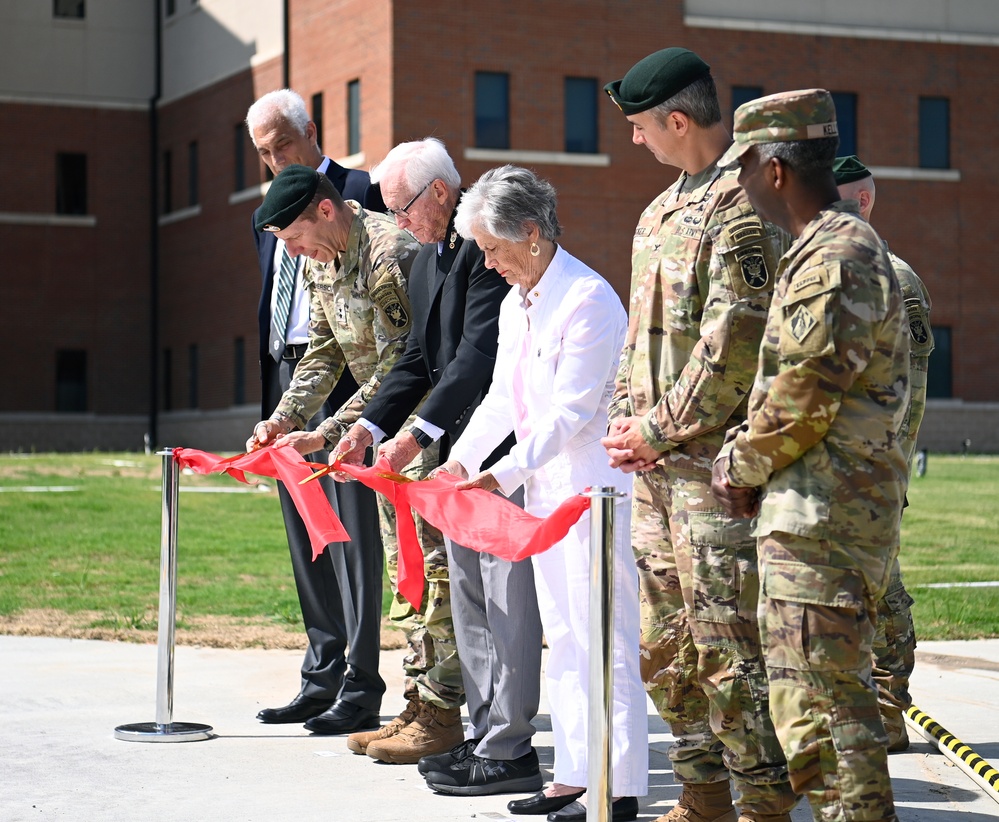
(63, 698)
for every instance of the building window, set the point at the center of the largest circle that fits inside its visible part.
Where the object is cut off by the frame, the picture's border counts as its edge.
(743, 94)
(192, 173)
(169, 8)
(846, 121)
(71, 183)
(934, 132)
(939, 379)
(73, 9)
(239, 372)
(581, 115)
(167, 182)
(354, 117)
(192, 376)
(492, 109)
(71, 380)
(167, 379)
(317, 116)
(239, 158)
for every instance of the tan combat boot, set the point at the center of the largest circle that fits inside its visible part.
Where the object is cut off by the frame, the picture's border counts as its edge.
(359, 742)
(435, 730)
(711, 802)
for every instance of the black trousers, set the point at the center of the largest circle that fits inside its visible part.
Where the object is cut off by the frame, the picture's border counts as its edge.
(341, 592)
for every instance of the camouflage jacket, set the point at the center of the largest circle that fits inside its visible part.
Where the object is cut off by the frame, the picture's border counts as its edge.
(703, 266)
(831, 391)
(916, 301)
(359, 319)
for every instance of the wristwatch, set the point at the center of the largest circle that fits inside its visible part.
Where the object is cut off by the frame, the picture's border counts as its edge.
(423, 439)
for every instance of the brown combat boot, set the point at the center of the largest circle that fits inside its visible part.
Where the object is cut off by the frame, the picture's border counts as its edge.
(711, 802)
(435, 730)
(359, 742)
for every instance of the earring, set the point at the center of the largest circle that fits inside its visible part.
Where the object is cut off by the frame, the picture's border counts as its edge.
(535, 250)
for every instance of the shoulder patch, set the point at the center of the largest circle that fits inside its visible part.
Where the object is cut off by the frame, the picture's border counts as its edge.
(801, 322)
(919, 326)
(753, 265)
(392, 304)
(814, 280)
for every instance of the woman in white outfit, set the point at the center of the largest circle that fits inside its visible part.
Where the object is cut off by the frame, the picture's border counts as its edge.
(561, 329)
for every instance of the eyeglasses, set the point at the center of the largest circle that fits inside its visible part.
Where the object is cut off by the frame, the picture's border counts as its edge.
(404, 211)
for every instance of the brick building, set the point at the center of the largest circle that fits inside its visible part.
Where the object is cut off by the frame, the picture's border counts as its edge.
(129, 181)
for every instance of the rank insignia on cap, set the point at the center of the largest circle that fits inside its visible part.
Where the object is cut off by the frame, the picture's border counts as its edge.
(801, 323)
(754, 267)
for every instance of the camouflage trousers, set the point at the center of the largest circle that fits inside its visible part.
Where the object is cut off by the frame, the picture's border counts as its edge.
(431, 665)
(701, 659)
(894, 655)
(818, 614)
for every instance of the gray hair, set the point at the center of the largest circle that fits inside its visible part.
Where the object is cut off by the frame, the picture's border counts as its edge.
(504, 200)
(810, 159)
(699, 101)
(419, 163)
(283, 104)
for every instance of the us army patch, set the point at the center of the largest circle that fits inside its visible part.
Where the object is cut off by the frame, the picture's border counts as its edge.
(917, 322)
(801, 323)
(391, 304)
(753, 266)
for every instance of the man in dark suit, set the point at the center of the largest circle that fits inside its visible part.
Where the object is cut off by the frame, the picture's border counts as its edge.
(451, 351)
(340, 669)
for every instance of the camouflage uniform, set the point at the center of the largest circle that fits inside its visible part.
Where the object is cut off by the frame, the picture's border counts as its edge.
(895, 636)
(360, 318)
(702, 279)
(820, 439)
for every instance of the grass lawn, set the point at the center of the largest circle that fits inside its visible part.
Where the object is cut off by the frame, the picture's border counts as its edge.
(85, 561)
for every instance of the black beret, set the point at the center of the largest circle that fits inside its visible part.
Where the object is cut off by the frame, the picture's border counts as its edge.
(656, 78)
(849, 169)
(290, 192)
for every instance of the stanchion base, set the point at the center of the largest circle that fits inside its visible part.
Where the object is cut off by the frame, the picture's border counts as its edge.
(154, 732)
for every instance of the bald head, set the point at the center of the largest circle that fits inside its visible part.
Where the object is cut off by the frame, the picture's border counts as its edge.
(861, 190)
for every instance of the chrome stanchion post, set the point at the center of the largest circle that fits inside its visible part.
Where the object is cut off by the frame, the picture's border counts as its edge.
(164, 729)
(599, 786)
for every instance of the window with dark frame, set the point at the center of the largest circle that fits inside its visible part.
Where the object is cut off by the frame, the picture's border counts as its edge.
(354, 117)
(71, 380)
(846, 121)
(167, 181)
(167, 379)
(934, 132)
(192, 375)
(239, 372)
(239, 157)
(581, 131)
(743, 94)
(71, 9)
(192, 173)
(492, 109)
(169, 8)
(940, 378)
(71, 183)
(317, 117)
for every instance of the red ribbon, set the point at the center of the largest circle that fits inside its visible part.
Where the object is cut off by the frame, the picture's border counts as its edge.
(287, 465)
(474, 518)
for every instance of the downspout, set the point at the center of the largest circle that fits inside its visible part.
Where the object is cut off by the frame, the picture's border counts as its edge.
(286, 61)
(154, 232)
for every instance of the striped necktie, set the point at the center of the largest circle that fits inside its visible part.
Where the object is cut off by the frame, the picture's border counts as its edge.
(282, 306)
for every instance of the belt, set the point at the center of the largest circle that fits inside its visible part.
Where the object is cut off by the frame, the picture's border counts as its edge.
(294, 352)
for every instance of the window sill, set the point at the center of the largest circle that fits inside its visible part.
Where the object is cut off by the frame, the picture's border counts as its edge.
(556, 158)
(179, 214)
(66, 220)
(251, 193)
(937, 175)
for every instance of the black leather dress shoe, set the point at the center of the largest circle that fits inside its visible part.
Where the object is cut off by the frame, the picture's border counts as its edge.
(622, 810)
(298, 710)
(343, 718)
(539, 803)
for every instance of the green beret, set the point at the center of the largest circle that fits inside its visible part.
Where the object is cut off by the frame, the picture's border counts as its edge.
(849, 169)
(807, 114)
(290, 192)
(656, 78)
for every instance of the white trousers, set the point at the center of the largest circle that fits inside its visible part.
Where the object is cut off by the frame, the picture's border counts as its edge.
(562, 577)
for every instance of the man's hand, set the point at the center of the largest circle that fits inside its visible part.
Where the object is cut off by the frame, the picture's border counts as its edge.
(264, 432)
(738, 502)
(400, 451)
(626, 446)
(305, 442)
(483, 480)
(350, 450)
(452, 467)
